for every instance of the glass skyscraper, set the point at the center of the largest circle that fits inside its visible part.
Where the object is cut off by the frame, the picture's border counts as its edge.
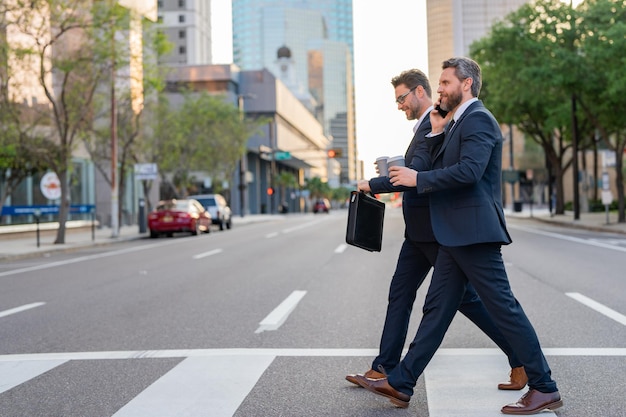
(318, 67)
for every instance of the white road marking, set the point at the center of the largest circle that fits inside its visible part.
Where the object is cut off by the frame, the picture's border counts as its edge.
(341, 248)
(13, 374)
(271, 235)
(205, 254)
(216, 381)
(568, 238)
(20, 309)
(198, 385)
(240, 352)
(600, 308)
(278, 316)
(84, 258)
(457, 387)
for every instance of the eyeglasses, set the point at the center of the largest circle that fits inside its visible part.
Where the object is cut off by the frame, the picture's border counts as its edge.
(400, 99)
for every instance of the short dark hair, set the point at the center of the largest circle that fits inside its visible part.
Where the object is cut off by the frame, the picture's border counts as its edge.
(412, 78)
(466, 68)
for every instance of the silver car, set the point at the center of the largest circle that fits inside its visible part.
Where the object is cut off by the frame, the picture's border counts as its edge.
(218, 207)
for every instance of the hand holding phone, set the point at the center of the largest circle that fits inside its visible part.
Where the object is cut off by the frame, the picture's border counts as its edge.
(441, 111)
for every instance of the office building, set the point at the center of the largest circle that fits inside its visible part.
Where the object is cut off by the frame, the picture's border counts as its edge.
(319, 68)
(187, 25)
(454, 24)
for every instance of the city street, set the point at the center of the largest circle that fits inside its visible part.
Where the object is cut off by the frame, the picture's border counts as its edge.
(266, 320)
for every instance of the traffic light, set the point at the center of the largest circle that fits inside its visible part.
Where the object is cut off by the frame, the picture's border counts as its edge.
(334, 153)
(270, 191)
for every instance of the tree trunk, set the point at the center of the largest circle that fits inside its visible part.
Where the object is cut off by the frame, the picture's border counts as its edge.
(64, 207)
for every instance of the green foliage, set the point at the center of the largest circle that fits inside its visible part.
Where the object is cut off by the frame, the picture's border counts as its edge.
(318, 188)
(205, 133)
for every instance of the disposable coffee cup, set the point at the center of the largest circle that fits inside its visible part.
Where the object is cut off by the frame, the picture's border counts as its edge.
(381, 163)
(395, 161)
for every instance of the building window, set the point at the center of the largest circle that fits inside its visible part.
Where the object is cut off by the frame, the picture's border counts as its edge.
(160, 4)
(181, 34)
(181, 18)
(181, 3)
(182, 50)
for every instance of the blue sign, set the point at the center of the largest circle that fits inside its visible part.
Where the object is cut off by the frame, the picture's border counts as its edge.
(41, 210)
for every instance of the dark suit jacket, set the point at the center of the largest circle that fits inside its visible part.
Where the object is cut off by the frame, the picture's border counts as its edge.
(465, 182)
(415, 208)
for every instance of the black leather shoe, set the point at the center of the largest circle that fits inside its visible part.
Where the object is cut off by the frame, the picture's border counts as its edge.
(534, 402)
(380, 386)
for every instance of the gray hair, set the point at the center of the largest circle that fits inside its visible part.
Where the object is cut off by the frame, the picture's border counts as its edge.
(466, 68)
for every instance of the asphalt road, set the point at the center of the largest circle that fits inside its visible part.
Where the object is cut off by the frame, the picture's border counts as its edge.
(267, 319)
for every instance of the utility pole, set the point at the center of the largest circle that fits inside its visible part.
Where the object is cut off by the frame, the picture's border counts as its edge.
(115, 227)
(242, 162)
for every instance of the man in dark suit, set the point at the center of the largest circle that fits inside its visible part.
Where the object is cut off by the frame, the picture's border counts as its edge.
(468, 221)
(419, 249)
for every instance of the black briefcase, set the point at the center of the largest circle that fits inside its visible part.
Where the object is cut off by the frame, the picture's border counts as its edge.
(365, 222)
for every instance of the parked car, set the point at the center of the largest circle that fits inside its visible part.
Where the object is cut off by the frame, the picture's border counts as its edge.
(218, 207)
(172, 216)
(322, 205)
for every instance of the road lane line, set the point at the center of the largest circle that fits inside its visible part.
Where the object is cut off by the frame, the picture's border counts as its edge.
(600, 308)
(458, 387)
(278, 316)
(13, 374)
(271, 235)
(214, 386)
(568, 238)
(20, 309)
(341, 248)
(372, 352)
(205, 254)
(84, 258)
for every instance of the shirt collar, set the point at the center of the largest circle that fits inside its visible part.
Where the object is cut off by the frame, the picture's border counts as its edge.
(459, 112)
(421, 119)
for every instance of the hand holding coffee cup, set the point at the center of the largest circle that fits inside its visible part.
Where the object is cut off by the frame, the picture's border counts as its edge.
(381, 166)
(395, 161)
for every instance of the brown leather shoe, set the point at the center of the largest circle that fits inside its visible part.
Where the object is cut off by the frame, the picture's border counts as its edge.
(518, 380)
(380, 386)
(534, 402)
(369, 374)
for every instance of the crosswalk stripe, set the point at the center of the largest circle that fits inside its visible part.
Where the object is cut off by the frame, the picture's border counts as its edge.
(200, 386)
(460, 387)
(15, 373)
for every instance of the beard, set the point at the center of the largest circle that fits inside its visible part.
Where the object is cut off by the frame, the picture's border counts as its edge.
(452, 100)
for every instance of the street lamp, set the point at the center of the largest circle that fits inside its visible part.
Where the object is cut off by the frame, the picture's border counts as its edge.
(242, 161)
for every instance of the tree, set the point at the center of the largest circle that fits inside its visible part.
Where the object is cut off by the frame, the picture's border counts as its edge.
(529, 71)
(285, 180)
(62, 49)
(318, 188)
(129, 117)
(603, 44)
(205, 133)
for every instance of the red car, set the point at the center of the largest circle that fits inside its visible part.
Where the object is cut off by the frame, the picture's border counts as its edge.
(322, 205)
(172, 216)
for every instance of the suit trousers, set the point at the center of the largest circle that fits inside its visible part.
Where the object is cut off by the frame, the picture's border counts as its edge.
(414, 263)
(482, 266)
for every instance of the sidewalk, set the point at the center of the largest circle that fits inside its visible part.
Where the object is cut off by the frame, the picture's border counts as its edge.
(20, 241)
(588, 221)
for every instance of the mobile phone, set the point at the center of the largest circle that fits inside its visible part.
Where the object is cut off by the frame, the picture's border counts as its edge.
(441, 111)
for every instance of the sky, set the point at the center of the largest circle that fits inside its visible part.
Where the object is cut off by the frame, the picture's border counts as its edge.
(387, 41)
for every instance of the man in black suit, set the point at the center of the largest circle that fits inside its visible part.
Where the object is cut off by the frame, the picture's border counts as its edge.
(468, 221)
(419, 249)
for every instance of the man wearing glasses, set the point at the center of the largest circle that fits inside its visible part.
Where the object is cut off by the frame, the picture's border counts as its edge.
(419, 249)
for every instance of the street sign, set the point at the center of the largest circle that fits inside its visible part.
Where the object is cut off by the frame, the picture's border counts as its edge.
(281, 156)
(146, 171)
